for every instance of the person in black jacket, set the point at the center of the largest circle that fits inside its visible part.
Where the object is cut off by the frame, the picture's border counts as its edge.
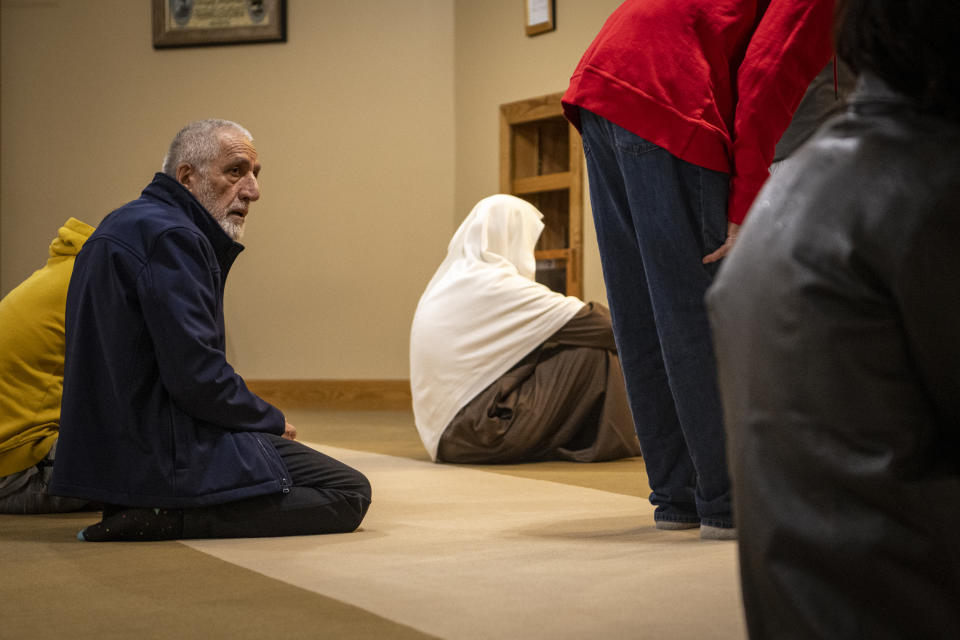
(837, 329)
(155, 423)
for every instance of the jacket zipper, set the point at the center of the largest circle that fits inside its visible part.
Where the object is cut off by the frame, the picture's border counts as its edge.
(284, 483)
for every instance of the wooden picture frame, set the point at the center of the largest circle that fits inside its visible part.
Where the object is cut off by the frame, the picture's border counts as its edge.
(198, 23)
(539, 16)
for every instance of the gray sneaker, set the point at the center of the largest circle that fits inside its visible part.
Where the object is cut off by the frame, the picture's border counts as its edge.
(708, 532)
(670, 525)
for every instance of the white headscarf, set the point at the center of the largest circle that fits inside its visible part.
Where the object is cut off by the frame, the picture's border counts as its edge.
(481, 313)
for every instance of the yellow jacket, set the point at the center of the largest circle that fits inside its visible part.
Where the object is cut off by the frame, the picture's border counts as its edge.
(31, 354)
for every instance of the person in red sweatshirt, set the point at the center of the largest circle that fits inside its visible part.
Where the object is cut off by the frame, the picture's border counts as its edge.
(680, 104)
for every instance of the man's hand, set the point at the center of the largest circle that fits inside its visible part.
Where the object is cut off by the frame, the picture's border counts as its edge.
(732, 231)
(290, 432)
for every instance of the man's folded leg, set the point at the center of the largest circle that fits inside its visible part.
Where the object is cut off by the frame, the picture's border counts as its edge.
(327, 496)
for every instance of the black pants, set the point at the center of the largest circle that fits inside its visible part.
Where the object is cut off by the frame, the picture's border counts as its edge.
(326, 496)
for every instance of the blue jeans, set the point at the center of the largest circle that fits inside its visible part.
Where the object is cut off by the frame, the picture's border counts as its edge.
(656, 217)
(31, 496)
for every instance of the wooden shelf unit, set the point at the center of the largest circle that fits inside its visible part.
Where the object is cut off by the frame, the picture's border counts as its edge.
(541, 162)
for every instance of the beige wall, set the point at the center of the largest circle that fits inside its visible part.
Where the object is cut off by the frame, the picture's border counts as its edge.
(376, 124)
(497, 62)
(353, 119)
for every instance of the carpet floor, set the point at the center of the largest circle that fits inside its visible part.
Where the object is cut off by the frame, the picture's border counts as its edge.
(548, 550)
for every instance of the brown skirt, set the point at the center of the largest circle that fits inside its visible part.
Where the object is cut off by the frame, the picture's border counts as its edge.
(563, 401)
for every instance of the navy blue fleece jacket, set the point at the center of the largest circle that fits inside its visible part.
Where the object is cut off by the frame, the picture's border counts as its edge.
(153, 415)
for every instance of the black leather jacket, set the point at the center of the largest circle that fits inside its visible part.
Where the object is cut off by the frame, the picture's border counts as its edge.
(837, 327)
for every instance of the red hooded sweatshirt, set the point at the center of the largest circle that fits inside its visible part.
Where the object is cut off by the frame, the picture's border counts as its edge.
(714, 82)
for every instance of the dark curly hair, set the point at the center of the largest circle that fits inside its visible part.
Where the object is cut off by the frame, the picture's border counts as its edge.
(913, 45)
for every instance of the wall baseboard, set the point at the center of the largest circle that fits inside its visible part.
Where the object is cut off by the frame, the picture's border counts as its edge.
(335, 394)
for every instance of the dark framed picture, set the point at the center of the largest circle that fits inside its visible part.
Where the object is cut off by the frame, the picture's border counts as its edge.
(197, 23)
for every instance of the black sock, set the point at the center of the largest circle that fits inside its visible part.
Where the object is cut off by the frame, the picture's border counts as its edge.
(135, 524)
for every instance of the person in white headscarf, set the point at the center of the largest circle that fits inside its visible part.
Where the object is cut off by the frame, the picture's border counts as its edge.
(503, 369)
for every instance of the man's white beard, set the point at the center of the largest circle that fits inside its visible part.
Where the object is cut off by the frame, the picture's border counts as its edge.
(231, 226)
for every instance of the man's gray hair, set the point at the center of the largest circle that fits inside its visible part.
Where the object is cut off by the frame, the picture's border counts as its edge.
(197, 144)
